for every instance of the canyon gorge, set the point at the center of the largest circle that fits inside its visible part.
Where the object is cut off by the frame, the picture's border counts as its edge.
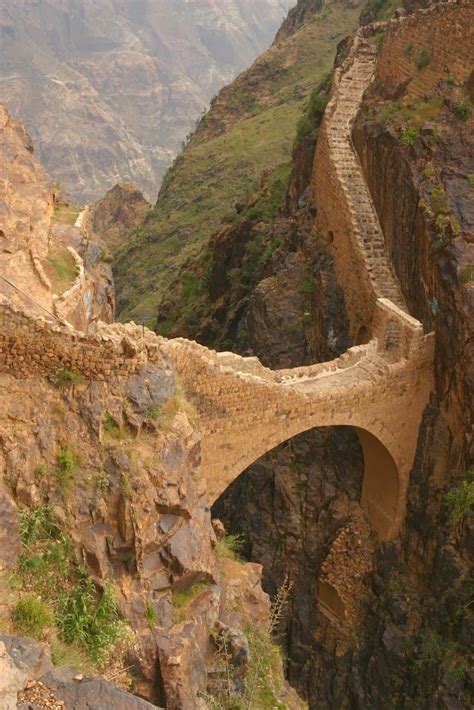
(236, 456)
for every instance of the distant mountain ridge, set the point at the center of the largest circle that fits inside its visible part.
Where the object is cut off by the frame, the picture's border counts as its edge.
(110, 92)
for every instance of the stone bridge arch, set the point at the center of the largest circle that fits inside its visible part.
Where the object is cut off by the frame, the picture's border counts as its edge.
(383, 486)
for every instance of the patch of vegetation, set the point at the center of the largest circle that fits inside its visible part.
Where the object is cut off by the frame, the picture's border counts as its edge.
(102, 480)
(443, 219)
(37, 524)
(178, 403)
(111, 427)
(463, 110)
(429, 171)
(379, 37)
(32, 617)
(423, 58)
(467, 275)
(460, 500)
(66, 465)
(154, 412)
(314, 110)
(105, 254)
(409, 49)
(66, 213)
(125, 485)
(151, 615)
(183, 598)
(264, 680)
(230, 547)
(436, 650)
(410, 135)
(66, 601)
(67, 654)
(380, 9)
(60, 267)
(67, 377)
(438, 201)
(40, 472)
(403, 112)
(83, 617)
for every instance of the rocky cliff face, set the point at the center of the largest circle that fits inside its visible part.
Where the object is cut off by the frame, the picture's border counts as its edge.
(109, 93)
(108, 555)
(119, 212)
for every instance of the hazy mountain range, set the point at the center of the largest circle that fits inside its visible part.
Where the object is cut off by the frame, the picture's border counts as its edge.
(109, 89)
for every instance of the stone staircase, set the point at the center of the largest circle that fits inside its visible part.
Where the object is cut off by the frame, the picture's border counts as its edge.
(342, 110)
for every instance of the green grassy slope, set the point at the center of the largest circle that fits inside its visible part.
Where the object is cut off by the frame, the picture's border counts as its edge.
(250, 126)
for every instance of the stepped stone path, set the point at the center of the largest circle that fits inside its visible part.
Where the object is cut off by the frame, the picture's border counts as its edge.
(366, 227)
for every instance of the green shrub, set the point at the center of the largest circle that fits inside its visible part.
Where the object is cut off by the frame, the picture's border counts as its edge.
(463, 110)
(84, 618)
(32, 617)
(307, 287)
(102, 480)
(409, 49)
(125, 485)
(313, 112)
(151, 615)
(379, 40)
(230, 546)
(438, 201)
(183, 598)
(423, 58)
(409, 135)
(460, 500)
(178, 403)
(41, 471)
(36, 524)
(67, 377)
(467, 275)
(110, 425)
(89, 618)
(154, 412)
(434, 649)
(66, 467)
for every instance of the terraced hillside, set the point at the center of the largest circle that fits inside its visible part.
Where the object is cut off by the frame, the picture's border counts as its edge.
(241, 151)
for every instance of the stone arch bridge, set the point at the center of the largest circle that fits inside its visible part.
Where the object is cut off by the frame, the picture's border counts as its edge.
(380, 388)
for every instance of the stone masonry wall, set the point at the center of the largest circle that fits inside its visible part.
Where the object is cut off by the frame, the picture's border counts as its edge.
(448, 45)
(32, 347)
(346, 217)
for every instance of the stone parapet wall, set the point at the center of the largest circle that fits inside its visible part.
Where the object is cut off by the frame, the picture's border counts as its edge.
(32, 347)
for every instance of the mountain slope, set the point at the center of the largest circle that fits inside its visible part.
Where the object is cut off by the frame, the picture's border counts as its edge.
(109, 93)
(246, 137)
